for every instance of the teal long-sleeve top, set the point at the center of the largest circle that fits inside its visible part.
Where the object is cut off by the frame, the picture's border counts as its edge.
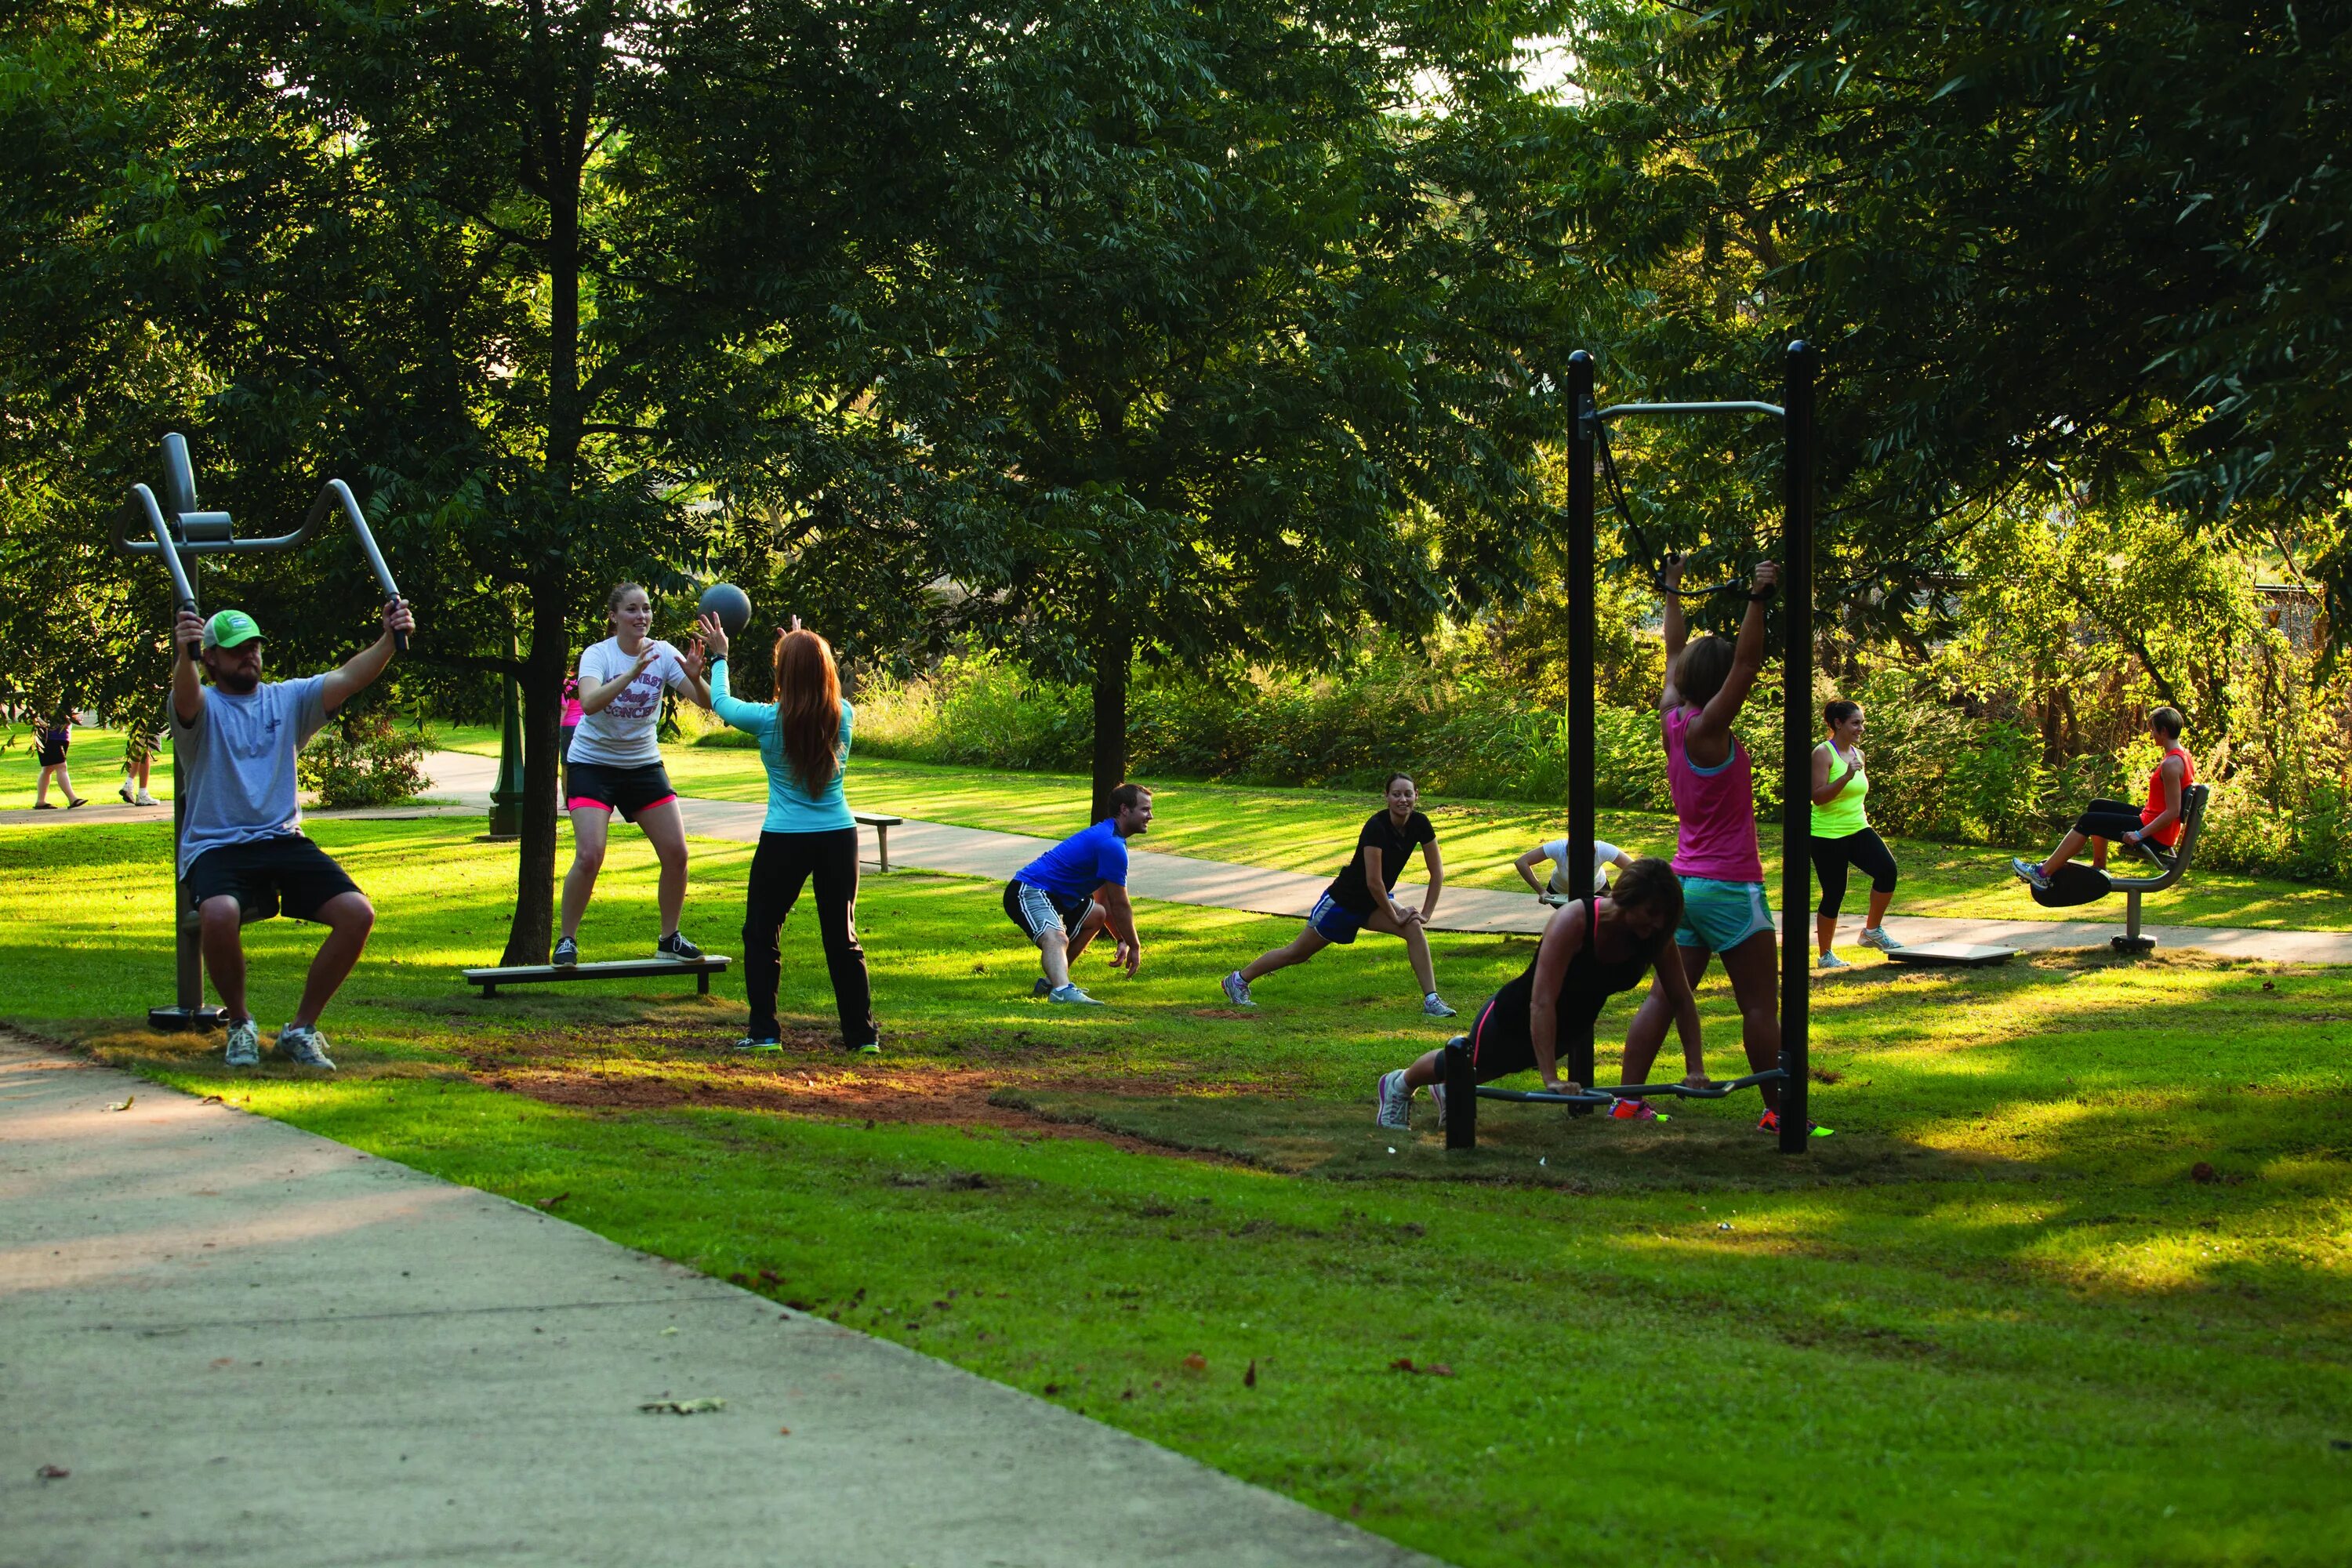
(790, 809)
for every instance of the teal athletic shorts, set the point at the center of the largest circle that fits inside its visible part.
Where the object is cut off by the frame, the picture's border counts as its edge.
(1719, 916)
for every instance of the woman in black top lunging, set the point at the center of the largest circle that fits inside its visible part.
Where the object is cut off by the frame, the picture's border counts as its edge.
(1592, 950)
(1351, 903)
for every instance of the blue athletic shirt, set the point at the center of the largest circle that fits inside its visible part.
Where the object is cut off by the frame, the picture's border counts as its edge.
(1079, 864)
(790, 809)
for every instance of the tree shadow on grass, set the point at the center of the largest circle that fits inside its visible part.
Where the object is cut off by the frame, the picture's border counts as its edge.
(1518, 1144)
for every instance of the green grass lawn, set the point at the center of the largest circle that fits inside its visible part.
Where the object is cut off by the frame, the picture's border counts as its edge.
(95, 761)
(1314, 831)
(1997, 1319)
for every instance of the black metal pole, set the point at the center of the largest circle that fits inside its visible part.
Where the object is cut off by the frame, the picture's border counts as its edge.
(1584, 429)
(1797, 745)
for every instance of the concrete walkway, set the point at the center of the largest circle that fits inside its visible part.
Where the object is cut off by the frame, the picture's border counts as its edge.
(246, 1344)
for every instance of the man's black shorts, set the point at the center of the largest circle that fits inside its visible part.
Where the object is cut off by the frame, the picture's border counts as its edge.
(285, 871)
(625, 790)
(52, 749)
(1036, 910)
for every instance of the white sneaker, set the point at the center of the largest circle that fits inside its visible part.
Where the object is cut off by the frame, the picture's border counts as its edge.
(244, 1043)
(1434, 1005)
(1830, 961)
(146, 799)
(125, 792)
(1073, 994)
(1437, 1093)
(1393, 1102)
(1875, 936)
(304, 1047)
(1236, 989)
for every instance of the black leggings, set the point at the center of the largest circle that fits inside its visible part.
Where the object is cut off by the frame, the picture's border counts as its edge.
(779, 867)
(2108, 819)
(1865, 852)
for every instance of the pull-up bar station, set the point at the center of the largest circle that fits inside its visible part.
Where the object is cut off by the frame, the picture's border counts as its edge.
(1587, 441)
(180, 535)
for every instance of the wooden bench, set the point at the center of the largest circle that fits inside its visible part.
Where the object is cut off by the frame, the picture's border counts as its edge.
(881, 827)
(702, 969)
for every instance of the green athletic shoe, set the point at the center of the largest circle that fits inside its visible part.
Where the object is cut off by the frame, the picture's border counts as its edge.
(758, 1043)
(1072, 993)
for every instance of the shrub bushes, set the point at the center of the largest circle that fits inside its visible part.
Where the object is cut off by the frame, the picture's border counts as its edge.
(362, 760)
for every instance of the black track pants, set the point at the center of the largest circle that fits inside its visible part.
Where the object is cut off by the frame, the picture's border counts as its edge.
(779, 867)
(1865, 852)
(2108, 819)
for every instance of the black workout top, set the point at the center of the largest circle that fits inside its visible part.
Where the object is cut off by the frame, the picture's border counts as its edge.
(1588, 982)
(1350, 888)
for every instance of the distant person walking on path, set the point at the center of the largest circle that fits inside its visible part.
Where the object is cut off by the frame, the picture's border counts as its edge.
(1592, 948)
(808, 832)
(615, 763)
(1563, 887)
(242, 853)
(50, 742)
(1722, 872)
(1351, 903)
(1063, 898)
(2118, 821)
(141, 742)
(1843, 837)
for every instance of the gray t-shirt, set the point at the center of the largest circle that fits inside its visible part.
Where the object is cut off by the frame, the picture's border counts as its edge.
(240, 762)
(624, 732)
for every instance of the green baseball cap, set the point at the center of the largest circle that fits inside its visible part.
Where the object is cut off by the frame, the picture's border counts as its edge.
(230, 627)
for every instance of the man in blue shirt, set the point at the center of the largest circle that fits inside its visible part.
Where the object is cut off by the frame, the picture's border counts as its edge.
(242, 853)
(1065, 896)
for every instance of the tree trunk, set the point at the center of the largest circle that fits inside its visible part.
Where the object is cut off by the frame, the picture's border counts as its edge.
(1114, 653)
(531, 933)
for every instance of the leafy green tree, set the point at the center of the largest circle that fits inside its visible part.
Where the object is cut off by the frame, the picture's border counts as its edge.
(541, 280)
(2042, 244)
(1244, 378)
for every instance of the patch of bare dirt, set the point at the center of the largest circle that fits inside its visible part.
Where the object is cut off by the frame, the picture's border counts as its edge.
(810, 1077)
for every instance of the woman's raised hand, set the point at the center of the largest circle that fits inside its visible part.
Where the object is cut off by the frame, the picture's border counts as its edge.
(713, 634)
(691, 660)
(1671, 569)
(1768, 577)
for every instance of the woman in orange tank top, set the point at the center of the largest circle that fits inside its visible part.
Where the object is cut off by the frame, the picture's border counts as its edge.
(2105, 821)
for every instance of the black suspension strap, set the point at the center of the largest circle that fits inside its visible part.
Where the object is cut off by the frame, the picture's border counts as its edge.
(1656, 562)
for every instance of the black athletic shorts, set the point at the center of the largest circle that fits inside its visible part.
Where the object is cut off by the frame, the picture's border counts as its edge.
(284, 872)
(1036, 910)
(625, 790)
(52, 751)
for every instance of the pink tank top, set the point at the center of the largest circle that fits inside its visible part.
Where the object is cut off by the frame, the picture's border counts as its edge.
(1717, 808)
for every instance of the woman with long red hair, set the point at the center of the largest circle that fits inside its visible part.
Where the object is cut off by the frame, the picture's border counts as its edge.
(809, 834)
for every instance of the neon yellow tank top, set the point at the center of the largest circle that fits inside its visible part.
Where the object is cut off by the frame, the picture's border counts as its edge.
(1843, 817)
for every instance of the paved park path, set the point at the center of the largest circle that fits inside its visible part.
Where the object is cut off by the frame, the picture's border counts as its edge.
(464, 780)
(244, 1343)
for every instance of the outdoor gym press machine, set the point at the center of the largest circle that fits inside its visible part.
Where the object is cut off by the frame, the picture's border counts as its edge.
(1586, 436)
(180, 534)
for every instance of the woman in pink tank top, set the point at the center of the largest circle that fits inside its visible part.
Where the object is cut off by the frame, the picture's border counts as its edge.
(1722, 874)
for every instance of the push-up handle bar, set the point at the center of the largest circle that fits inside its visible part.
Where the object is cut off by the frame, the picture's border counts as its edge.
(1604, 1094)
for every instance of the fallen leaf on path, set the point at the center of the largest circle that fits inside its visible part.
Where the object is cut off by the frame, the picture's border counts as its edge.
(682, 1407)
(52, 1473)
(550, 1202)
(125, 1105)
(784, 1431)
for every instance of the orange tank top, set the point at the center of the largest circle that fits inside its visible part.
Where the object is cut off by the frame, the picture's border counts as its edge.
(2170, 834)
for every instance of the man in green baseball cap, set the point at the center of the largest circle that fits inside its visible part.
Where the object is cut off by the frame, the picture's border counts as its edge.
(229, 628)
(242, 853)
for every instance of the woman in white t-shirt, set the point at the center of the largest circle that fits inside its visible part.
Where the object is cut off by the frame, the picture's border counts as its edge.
(615, 763)
(1563, 886)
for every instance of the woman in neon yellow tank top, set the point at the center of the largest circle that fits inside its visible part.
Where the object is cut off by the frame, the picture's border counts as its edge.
(1842, 836)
